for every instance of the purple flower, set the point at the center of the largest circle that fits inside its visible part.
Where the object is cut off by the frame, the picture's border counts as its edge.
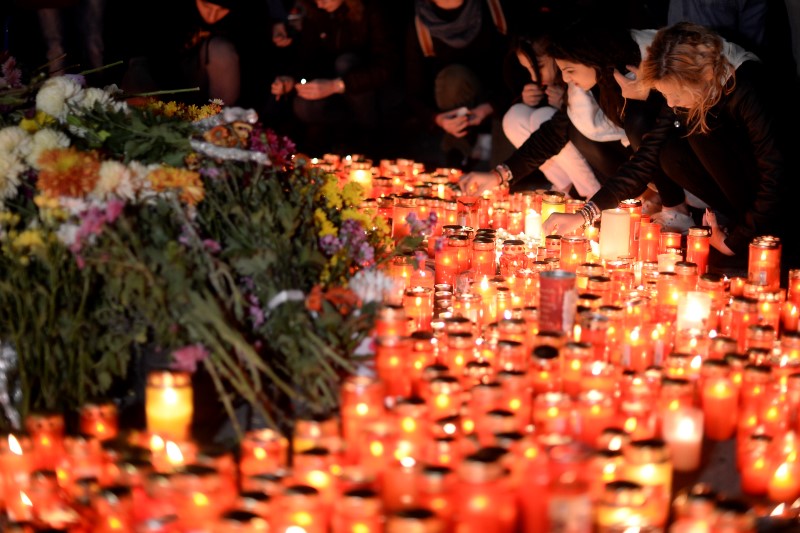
(330, 244)
(421, 227)
(212, 246)
(186, 358)
(256, 312)
(210, 172)
(365, 255)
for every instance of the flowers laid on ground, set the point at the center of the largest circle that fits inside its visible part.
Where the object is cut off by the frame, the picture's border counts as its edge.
(131, 230)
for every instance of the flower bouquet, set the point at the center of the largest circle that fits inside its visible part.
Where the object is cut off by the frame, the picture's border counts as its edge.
(191, 232)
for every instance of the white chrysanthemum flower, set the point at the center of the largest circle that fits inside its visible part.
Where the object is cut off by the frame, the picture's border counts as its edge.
(93, 95)
(10, 170)
(42, 140)
(74, 206)
(372, 285)
(15, 140)
(67, 233)
(56, 93)
(115, 180)
(139, 174)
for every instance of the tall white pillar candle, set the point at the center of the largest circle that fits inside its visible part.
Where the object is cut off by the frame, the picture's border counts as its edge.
(615, 231)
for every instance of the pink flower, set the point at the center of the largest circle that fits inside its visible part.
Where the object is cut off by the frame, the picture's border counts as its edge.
(113, 210)
(186, 358)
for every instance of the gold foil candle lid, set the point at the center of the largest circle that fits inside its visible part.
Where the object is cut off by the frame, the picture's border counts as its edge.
(646, 451)
(700, 231)
(623, 493)
(482, 466)
(766, 241)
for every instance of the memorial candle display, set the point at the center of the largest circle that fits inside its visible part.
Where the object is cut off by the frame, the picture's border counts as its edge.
(698, 247)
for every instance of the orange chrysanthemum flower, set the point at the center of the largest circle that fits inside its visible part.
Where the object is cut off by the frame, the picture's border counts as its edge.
(68, 172)
(188, 181)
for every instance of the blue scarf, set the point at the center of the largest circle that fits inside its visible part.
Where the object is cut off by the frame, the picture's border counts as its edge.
(456, 33)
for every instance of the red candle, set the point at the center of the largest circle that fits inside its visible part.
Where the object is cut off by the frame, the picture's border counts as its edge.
(595, 412)
(649, 239)
(698, 247)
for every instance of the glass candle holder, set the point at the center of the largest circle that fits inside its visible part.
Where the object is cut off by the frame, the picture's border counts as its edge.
(698, 247)
(764, 262)
(169, 404)
(100, 420)
(595, 411)
(683, 432)
(485, 503)
(573, 252)
(623, 504)
(263, 451)
(418, 303)
(670, 242)
(615, 229)
(647, 463)
(649, 241)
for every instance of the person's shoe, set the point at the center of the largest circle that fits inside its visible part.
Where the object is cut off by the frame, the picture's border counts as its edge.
(672, 220)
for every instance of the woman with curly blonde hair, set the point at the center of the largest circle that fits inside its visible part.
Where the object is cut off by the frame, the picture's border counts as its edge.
(718, 137)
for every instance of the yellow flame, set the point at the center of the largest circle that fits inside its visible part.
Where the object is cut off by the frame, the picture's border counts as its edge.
(14, 445)
(25, 500)
(362, 409)
(174, 453)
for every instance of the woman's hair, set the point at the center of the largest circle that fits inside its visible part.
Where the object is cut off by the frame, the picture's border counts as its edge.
(603, 48)
(533, 46)
(690, 56)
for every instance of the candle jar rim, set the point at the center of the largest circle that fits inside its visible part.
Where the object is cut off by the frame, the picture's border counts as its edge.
(700, 231)
(544, 351)
(239, 516)
(165, 378)
(646, 451)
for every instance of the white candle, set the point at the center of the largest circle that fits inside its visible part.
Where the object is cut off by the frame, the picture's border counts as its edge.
(694, 309)
(683, 433)
(666, 261)
(533, 224)
(615, 231)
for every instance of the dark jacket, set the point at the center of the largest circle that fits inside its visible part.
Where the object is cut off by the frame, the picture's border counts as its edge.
(484, 56)
(325, 37)
(752, 173)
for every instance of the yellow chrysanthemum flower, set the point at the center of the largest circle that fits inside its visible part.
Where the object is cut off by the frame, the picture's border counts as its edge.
(353, 193)
(330, 191)
(29, 240)
(40, 120)
(325, 226)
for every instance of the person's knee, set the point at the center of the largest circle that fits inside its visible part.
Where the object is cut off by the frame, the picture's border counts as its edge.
(516, 124)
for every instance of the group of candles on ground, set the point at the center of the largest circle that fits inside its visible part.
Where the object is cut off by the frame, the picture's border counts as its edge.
(523, 384)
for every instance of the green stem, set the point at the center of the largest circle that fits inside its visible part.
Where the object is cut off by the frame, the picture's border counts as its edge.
(99, 69)
(165, 91)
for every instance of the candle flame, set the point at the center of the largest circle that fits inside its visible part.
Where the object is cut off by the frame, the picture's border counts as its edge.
(318, 479)
(634, 334)
(174, 453)
(686, 427)
(697, 362)
(779, 509)
(484, 284)
(25, 500)
(362, 409)
(200, 499)
(407, 462)
(376, 448)
(14, 445)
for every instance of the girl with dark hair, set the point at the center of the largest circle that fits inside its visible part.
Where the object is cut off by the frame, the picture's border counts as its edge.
(541, 97)
(597, 120)
(716, 136)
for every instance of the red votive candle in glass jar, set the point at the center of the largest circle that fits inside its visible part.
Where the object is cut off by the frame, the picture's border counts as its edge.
(670, 241)
(764, 262)
(698, 247)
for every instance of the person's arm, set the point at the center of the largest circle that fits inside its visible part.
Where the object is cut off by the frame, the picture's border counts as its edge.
(418, 85)
(543, 144)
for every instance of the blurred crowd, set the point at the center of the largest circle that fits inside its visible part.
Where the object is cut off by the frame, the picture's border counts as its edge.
(448, 82)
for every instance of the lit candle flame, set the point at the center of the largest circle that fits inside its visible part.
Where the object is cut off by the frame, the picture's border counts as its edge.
(14, 445)
(780, 508)
(174, 453)
(25, 500)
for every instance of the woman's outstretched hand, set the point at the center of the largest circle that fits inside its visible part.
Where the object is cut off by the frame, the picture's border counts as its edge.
(717, 235)
(474, 183)
(561, 223)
